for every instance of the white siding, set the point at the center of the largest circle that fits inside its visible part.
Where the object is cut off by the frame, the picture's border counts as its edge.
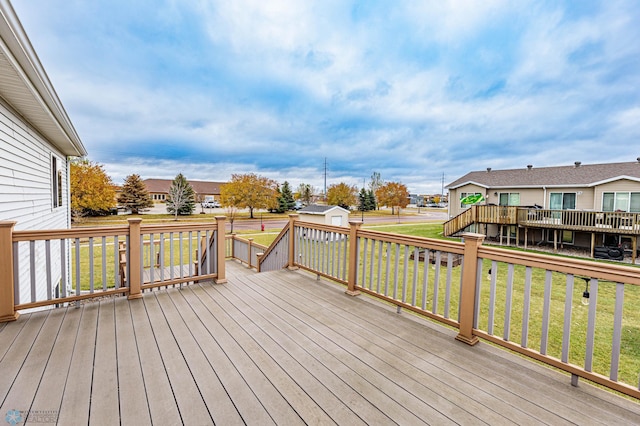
(26, 195)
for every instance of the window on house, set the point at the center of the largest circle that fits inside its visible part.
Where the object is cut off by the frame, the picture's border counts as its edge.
(56, 183)
(564, 237)
(621, 201)
(562, 201)
(463, 195)
(509, 199)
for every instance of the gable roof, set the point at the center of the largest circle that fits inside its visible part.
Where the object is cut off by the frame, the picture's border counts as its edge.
(25, 87)
(577, 175)
(320, 209)
(199, 186)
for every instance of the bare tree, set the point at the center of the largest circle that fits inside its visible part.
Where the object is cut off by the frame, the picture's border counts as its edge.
(181, 197)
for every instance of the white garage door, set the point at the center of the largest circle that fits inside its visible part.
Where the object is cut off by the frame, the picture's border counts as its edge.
(336, 220)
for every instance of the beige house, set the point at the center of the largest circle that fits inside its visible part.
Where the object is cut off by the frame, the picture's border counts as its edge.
(205, 190)
(326, 215)
(584, 205)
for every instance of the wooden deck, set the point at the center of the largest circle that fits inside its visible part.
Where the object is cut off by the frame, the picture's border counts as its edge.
(274, 348)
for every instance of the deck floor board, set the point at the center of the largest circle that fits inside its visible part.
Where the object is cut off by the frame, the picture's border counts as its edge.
(275, 348)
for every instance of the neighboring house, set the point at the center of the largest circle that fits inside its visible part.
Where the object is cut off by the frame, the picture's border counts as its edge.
(326, 215)
(37, 141)
(159, 189)
(601, 203)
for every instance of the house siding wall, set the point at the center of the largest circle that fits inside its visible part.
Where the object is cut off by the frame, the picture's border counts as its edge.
(26, 195)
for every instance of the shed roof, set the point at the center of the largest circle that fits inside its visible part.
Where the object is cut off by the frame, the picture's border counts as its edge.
(577, 175)
(199, 186)
(25, 86)
(320, 209)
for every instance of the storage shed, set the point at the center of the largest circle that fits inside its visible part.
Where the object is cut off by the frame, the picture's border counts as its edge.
(326, 215)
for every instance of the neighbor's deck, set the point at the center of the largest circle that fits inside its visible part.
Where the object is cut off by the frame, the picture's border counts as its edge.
(276, 347)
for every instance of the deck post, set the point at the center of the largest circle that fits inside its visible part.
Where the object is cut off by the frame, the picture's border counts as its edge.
(7, 296)
(354, 227)
(135, 242)
(469, 286)
(259, 256)
(220, 244)
(291, 265)
(249, 255)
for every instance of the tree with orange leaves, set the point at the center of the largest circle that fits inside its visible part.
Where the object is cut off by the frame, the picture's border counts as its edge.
(249, 191)
(393, 194)
(92, 191)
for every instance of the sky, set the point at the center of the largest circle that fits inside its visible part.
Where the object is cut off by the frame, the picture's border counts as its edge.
(419, 91)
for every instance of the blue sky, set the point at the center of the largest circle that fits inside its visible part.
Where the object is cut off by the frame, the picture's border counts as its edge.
(410, 89)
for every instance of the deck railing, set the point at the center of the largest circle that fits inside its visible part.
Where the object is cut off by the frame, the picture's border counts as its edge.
(582, 220)
(576, 220)
(51, 267)
(244, 250)
(529, 303)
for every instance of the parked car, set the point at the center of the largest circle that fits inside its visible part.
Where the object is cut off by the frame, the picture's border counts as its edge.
(211, 204)
(298, 205)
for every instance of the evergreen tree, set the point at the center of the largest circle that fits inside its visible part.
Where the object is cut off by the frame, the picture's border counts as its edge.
(286, 200)
(371, 200)
(362, 201)
(134, 195)
(181, 198)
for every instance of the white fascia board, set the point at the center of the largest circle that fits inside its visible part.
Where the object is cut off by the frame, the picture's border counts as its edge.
(25, 61)
(469, 182)
(613, 179)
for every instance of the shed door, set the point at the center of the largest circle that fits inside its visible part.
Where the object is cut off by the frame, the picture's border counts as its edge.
(336, 220)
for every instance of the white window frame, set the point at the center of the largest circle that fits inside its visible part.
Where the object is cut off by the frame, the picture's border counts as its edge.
(509, 200)
(57, 188)
(616, 207)
(465, 195)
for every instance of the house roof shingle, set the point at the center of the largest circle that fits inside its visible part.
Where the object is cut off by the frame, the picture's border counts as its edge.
(319, 209)
(199, 186)
(577, 175)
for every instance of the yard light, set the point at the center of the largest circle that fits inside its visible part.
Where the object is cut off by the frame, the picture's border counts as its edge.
(585, 293)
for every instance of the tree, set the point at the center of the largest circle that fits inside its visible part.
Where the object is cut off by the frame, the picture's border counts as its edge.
(134, 195)
(305, 193)
(362, 200)
(393, 194)
(371, 201)
(181, 198)
(249, 191)
(286, 201)
(92, 190)
(342, 195)
(375, 183)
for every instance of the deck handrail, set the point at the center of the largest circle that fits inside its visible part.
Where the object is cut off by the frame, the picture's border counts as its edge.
(528, 296)
(68, 265)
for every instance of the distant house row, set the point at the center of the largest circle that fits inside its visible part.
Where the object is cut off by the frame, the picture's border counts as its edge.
(159, 189)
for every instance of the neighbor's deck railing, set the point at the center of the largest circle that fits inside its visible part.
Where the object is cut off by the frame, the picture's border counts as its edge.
(529, 303)
(51, 267)
(575, 220)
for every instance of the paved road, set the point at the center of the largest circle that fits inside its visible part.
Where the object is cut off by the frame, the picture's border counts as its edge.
(271, 224)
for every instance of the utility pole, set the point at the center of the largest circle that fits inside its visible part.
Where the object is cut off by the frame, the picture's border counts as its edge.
(325, 179)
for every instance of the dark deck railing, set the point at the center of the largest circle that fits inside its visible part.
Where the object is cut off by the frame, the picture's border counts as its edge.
(574, 220)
